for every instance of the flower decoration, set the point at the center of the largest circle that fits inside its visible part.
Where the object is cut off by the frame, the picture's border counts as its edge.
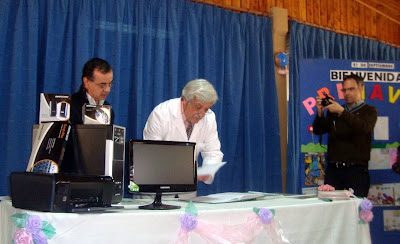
(33, 224)
(326, 187)
(189, 219)
(281, 60)
(22, 236)
(365, 212)
(366, 204)
(32, 229)
(265, 214)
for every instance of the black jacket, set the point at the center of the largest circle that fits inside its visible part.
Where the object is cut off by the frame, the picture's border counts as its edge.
(77, 100)
(350, 133)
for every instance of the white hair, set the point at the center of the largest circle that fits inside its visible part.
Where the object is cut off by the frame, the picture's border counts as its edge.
(200, 89)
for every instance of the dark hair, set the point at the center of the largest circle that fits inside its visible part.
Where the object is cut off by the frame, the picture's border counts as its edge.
(95, 63)
(357, 78)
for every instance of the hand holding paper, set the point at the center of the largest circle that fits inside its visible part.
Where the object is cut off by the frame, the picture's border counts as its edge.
(207, 171)
(204, 178)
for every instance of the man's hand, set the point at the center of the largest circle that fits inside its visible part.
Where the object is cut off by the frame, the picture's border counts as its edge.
(203, 177)
(334, 107)
(320, 108)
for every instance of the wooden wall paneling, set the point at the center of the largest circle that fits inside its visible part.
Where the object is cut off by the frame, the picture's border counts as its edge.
(279, 3)
(263, 6)
(343, 15)
(374, 24)
(388, 8)
(394, 4)
(236, 3)
(356, 17)
(317, 12)
(336, 14)
(386, 22)
(245, 4)
(303, 10)
(349, 11)
(288, 5)
(362, 20)
(227, 2)
(374, 19)
(393, 32)
(310, 11)
(390, 31)
(368, 22)
(380, 26)
(330, 14)
(324, 12)
(295, 9)
(270, 4)
(254, 5)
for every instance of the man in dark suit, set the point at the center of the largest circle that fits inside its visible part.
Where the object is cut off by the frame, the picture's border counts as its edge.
(97, 80)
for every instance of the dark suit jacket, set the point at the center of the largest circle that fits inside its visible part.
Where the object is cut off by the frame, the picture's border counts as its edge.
(77, 101)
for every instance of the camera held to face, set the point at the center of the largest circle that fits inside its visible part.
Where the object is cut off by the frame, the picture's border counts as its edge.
(325, 101)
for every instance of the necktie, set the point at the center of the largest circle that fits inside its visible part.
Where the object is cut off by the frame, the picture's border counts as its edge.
(189, 130)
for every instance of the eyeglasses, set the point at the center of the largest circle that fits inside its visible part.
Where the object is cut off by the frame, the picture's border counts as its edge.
(103, 85)
(350, 89)
(199, 108)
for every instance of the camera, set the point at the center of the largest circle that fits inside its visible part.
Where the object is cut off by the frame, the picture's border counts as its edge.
(325, 101)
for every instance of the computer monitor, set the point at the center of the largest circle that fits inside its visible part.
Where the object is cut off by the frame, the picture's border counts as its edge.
(162, 167)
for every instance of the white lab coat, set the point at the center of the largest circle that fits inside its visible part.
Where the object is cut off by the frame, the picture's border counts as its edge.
(165, 123)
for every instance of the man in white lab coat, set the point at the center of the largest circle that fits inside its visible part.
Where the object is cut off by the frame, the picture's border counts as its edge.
(189, 118)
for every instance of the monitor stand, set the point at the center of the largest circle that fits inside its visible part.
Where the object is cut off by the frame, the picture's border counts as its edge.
(158, 205)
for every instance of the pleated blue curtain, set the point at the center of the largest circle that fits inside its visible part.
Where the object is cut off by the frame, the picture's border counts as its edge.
(155, 48)
(309, 42)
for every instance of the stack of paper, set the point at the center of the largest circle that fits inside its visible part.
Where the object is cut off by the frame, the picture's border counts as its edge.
(234, 197)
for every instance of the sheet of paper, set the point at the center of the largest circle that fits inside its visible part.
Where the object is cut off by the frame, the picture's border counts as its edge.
(210, 169)
(381, 130)
(379, 159)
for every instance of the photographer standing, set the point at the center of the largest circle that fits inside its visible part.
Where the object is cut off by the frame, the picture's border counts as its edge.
(349, 129)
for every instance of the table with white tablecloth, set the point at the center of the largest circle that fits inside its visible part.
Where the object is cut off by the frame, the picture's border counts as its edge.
(308, 220)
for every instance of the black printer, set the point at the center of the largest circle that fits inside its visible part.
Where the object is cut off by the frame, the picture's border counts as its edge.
(61, 192)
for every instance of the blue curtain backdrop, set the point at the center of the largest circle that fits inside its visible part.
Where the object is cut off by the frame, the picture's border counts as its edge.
(155, 48)
(310, 42)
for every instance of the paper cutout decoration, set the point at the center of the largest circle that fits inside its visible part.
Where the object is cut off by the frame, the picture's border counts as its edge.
(281, 61)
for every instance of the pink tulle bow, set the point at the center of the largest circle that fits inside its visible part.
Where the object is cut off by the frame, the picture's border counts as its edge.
(241, 233)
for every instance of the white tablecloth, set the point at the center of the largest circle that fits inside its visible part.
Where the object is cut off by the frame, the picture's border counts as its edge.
(302, 221)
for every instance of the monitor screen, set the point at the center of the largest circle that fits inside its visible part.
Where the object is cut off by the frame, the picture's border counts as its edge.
(162, 166)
